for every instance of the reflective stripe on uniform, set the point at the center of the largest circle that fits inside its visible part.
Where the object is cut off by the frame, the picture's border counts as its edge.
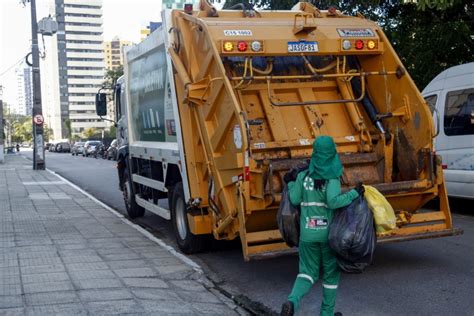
(305, 276)
(329, 286)
(313, 204)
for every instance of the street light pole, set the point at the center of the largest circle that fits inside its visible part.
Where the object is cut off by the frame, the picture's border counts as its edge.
(37, 119)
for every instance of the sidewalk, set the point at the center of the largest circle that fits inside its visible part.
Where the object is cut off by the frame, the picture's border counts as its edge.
(61, 253)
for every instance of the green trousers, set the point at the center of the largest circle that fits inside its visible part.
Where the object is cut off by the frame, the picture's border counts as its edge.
(313, 256)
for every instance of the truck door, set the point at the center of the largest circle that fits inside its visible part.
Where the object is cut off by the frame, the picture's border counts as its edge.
(121, 113)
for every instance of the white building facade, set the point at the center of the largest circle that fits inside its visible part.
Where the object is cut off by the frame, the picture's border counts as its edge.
(19, 106)
(28, 88)
(79, 63)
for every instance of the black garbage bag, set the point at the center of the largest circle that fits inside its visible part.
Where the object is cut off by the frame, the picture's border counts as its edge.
(288, 218)
(352, 236)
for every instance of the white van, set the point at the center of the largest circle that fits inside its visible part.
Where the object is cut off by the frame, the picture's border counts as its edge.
(450, 96)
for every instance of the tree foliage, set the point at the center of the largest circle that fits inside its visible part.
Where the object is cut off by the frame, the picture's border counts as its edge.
(21, 127)
(112, 75)
(67, 124)
(428, 35)
(112, 132)
(89, 133)
(431, 41)
(23, 130)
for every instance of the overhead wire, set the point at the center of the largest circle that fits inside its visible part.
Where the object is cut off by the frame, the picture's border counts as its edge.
(12, 66)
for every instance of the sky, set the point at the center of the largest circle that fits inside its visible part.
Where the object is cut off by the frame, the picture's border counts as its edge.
(122, 18)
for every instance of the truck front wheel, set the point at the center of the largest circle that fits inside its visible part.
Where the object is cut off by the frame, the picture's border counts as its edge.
(133, 209)
(187, 241)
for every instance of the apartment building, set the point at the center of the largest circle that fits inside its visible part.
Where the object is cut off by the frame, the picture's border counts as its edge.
(19, 106)
(23, 104)
(28, 89)
(80, 63)
(113, 53)
(179, 4)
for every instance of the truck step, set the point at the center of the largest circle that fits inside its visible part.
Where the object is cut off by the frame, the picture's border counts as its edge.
(263, 236)
(155, 209)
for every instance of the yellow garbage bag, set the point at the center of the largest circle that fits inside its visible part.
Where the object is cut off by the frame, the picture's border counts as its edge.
(384, 215)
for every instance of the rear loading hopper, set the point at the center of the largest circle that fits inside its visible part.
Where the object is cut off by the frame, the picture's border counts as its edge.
(254, 90)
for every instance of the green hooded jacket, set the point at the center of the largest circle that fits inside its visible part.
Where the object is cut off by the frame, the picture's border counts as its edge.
(317, 206)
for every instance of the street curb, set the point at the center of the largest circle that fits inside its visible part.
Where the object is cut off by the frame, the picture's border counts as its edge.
(183, 258)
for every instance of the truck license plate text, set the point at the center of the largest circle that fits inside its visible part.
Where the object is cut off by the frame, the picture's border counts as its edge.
(302, 47)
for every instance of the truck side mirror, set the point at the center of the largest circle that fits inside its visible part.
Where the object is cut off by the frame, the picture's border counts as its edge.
(101, 104)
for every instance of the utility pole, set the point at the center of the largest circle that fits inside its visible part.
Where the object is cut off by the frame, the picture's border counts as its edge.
(37, 119)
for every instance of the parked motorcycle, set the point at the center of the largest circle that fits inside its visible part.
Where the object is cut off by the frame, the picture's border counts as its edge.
(100, 151)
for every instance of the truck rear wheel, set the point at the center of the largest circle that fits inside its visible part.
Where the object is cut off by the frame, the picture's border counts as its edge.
(187, 241)
(133, 209)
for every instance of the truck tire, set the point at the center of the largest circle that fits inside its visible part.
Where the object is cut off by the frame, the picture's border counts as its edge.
(187, 241)
(133, 209)
(170, 197)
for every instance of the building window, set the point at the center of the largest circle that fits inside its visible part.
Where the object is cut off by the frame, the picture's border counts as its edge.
(91, 6)
(83, 33)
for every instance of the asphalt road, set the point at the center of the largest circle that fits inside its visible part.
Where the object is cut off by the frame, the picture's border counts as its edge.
(425, 277)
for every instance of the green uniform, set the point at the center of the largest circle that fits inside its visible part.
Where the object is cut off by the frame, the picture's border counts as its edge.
(317, 207)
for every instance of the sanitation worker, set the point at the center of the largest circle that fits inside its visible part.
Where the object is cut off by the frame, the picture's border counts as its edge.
(318, 191)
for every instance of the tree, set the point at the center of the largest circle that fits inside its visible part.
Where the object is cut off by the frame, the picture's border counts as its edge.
(430, 41)
(47, 132)
(67, 124)
(23, 130)
(89, 133)
(112, 132)
(111, 76)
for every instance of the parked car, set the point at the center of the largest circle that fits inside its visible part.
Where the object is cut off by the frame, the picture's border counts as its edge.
(63, 147)
(90, 147)
(77, 148)
(46, 146)
(112, 150)
(52, 147)
(450, 96)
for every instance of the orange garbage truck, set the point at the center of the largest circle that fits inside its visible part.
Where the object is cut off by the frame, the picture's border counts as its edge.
(219, 105)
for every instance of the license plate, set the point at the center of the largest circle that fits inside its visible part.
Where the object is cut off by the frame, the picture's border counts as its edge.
(302, 47)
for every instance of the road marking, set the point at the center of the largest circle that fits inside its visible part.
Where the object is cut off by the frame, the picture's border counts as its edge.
(180, 256)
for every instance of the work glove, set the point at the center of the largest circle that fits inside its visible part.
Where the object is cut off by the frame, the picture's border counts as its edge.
(360, 189)
(290, 175)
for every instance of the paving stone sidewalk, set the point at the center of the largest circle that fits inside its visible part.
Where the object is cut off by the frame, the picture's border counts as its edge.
(61, 253)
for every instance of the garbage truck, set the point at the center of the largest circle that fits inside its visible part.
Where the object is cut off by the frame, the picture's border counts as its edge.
(218, 105)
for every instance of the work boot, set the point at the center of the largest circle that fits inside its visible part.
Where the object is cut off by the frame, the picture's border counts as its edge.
(337, 314)
(287, 309)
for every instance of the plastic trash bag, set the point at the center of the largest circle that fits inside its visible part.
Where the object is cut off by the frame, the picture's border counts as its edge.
(352, 236)
(288, 218)
(384, 215)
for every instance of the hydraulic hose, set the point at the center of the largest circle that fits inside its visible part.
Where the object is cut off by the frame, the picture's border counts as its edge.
(366, 102)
